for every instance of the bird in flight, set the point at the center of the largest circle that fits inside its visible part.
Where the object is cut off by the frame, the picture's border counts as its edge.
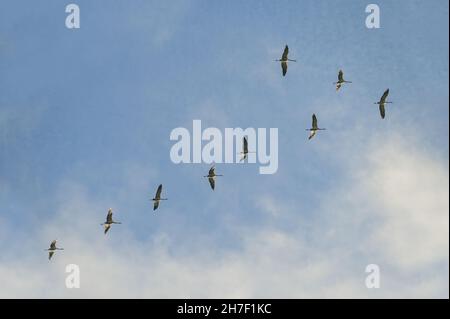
(52, 249)
(245, 151)
(109, 221)
(313, 130)
(382, 103)
(340, 81)
(211, 177)
(284, 60)
(157, 197)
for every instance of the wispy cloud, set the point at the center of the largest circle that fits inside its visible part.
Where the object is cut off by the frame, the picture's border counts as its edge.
(392, 210)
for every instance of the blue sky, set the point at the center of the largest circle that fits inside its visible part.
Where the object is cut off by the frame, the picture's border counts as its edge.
(85, 118)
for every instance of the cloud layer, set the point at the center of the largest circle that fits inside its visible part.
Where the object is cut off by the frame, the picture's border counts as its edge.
(391, 210)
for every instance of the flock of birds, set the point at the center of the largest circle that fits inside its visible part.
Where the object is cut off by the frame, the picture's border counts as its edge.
(212, 174)
(340, 82)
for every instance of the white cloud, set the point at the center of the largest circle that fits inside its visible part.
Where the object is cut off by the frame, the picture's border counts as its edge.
(412, 201)
(390, 209)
